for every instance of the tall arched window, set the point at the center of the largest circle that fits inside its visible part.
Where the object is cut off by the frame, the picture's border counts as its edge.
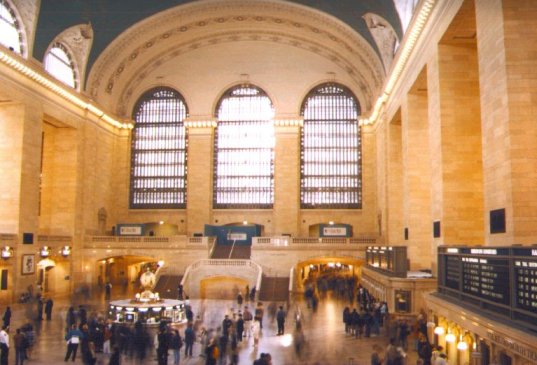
(59, 63)
(331, 162)
(10, 33)
(159, 151)
(244, 150)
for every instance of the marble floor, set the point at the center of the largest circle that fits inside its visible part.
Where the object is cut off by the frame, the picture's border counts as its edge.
(325, 339)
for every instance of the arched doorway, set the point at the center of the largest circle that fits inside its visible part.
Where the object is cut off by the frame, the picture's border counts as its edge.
(123, 272)
(313, 269)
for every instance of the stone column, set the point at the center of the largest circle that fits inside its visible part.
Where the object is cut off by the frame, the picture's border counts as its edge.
(394, 178)
(200, 176)
(20, 160)
(507, 74)
(417, 178)
(286, 178)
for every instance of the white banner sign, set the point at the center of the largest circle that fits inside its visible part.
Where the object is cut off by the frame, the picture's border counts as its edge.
(334, 231)
(130, 230)
(237, 236)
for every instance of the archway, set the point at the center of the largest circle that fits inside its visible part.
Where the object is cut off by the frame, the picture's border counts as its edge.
(310, 270)
(124, 271)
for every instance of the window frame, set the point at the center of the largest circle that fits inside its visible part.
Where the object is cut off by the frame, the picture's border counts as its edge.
(71, 64)
(335, 178)
(259, 192)
(16, 26)
(182, 180)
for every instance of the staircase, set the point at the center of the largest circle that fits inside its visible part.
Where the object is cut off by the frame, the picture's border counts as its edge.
(231, 252)
(167, 286)
(274, 289)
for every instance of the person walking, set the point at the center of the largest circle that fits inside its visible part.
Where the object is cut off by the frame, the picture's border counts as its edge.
(73, 338)
(20, 349)
(280, 319)
(115, 359)
(48, 308)
(40, 309)
(247, 316)
(4, 345)
(7, 317)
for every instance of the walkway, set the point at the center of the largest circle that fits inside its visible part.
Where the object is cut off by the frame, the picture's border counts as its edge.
(326, 342)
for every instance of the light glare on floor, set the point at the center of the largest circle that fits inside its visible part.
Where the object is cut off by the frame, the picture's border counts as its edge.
(286, 340)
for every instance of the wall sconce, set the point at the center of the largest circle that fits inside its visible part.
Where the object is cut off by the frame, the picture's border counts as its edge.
(331, 223)
(439, 331)
(65, 251)
(450, 337)
(462, 345)
(45, 251)
(160, 263)
(7, 252)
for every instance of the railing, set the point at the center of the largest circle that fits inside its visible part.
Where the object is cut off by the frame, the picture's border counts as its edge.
(148, 242)
(286, 241)
(44, 238)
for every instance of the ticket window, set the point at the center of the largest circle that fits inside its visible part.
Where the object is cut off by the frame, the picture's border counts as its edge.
(402, 301)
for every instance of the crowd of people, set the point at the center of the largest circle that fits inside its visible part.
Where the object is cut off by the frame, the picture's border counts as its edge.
(87, 335)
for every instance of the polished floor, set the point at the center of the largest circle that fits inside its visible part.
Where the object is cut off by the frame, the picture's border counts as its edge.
(325, 339)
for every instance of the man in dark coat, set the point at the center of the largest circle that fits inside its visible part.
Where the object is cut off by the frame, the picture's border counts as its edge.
(7, 317)
(39, 309)
(280, 319)
(163, 346)
(48, 308)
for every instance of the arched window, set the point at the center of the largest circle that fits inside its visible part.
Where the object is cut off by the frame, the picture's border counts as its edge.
(10, 33)
(331, 162)
(244, 150)
(159, 151)
(59, 63)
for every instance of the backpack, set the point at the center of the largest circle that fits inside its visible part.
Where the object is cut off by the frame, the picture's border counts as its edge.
(216, 353)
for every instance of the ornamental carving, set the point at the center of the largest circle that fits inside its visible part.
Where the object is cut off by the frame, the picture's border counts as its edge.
(189, 25)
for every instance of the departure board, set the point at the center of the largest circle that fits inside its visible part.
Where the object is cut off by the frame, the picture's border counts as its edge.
(501, 280)
(483, 273)
(525, 270)
(453, 273)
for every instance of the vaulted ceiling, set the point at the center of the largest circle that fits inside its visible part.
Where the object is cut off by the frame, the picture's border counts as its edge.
(110, 18)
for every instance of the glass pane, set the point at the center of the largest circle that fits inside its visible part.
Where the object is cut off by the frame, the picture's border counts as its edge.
(59, 65)
(331, 150)
(244, 150)
(159, 151)
(9, 28)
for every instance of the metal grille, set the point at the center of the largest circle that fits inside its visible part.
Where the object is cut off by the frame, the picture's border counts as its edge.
(244, 150)
(159, 151)
(331, 162)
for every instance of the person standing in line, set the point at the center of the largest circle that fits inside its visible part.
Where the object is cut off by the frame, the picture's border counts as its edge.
(163, 346)
(48, 308)
(280, 319)
(176, 344)
(20, 348)
(239, 299)
(190, 336)
(7, 317)
(4, 345)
